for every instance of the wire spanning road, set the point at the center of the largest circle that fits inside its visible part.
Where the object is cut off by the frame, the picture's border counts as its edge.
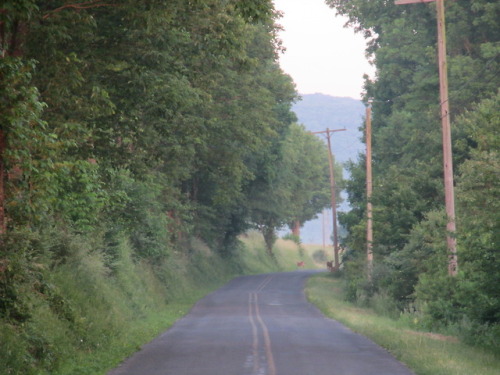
(260, 325)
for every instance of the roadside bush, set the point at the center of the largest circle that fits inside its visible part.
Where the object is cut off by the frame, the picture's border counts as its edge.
(482, 335)
(354, 273)
(319, 256)
(437, 292)
(297, 240)
(385, 305)
(292, 237)
(14, 349)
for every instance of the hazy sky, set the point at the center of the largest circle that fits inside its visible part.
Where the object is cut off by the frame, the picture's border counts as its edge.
(321, 55)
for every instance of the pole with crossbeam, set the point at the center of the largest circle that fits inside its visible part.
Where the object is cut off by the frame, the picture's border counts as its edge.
(369, 191)
(332, 191)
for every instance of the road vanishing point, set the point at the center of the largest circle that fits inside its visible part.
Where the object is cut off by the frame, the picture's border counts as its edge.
(260, 325)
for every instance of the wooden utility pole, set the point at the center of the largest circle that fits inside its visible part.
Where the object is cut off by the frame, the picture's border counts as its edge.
(332, 191)
(369, 190)
(446, 131)
(3, 219)
(324, 229)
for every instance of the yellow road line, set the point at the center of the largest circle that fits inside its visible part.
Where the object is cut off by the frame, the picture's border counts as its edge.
(255, 344)
(264, 283)
(253, 315)
(267, 340)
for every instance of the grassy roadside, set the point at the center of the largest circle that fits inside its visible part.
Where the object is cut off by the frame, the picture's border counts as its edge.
(425, 353)
(126, 343)
(129, 310)
(95, 311)
(104, 316)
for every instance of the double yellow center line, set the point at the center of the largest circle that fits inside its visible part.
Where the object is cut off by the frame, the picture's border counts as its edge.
(256, 322)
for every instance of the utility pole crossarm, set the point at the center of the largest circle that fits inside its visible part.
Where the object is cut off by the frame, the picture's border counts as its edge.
(327, 131)
(404, 2)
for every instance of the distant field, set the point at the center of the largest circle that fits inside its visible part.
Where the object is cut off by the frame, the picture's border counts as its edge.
(255, 260)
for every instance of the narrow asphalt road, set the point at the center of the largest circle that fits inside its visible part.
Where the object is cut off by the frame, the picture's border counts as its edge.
(260, 325)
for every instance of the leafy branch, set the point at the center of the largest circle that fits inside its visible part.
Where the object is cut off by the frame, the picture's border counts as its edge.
(85, 5)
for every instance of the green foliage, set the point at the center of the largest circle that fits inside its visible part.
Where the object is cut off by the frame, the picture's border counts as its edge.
(255, 258)
(409, 236)
(19, 276)
(131, 130)
(422, 351)
(27, 158)
(479, 209)
(438, 292)
(254, 10)
(87, 314)
(320, 256)
(470, 301)
(176, 98)
(292, 237)
(134, 132)
(292, 184)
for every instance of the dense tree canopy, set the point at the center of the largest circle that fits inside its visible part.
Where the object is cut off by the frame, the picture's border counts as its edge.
(146, 122)
(409, 247)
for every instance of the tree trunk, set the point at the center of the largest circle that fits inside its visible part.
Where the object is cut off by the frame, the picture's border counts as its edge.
(3, 226)
(296, 228)
(269, 237)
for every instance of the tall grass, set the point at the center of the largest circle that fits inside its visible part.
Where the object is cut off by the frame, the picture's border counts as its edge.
(288, 253)
(424, 352)
(91, 311)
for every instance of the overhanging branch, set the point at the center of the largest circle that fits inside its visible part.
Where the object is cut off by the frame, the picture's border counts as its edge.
(85, 5)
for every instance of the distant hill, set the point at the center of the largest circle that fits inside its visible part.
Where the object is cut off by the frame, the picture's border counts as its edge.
(318, 112)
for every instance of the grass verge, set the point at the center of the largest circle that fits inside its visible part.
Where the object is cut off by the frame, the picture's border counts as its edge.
(127, 342)
(425, 353)
(88, 313)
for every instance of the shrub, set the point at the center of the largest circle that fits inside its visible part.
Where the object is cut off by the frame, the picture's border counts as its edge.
(320, 256)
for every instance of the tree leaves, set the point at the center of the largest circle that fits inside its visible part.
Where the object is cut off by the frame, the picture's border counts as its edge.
(407, 155)
(182, 97)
